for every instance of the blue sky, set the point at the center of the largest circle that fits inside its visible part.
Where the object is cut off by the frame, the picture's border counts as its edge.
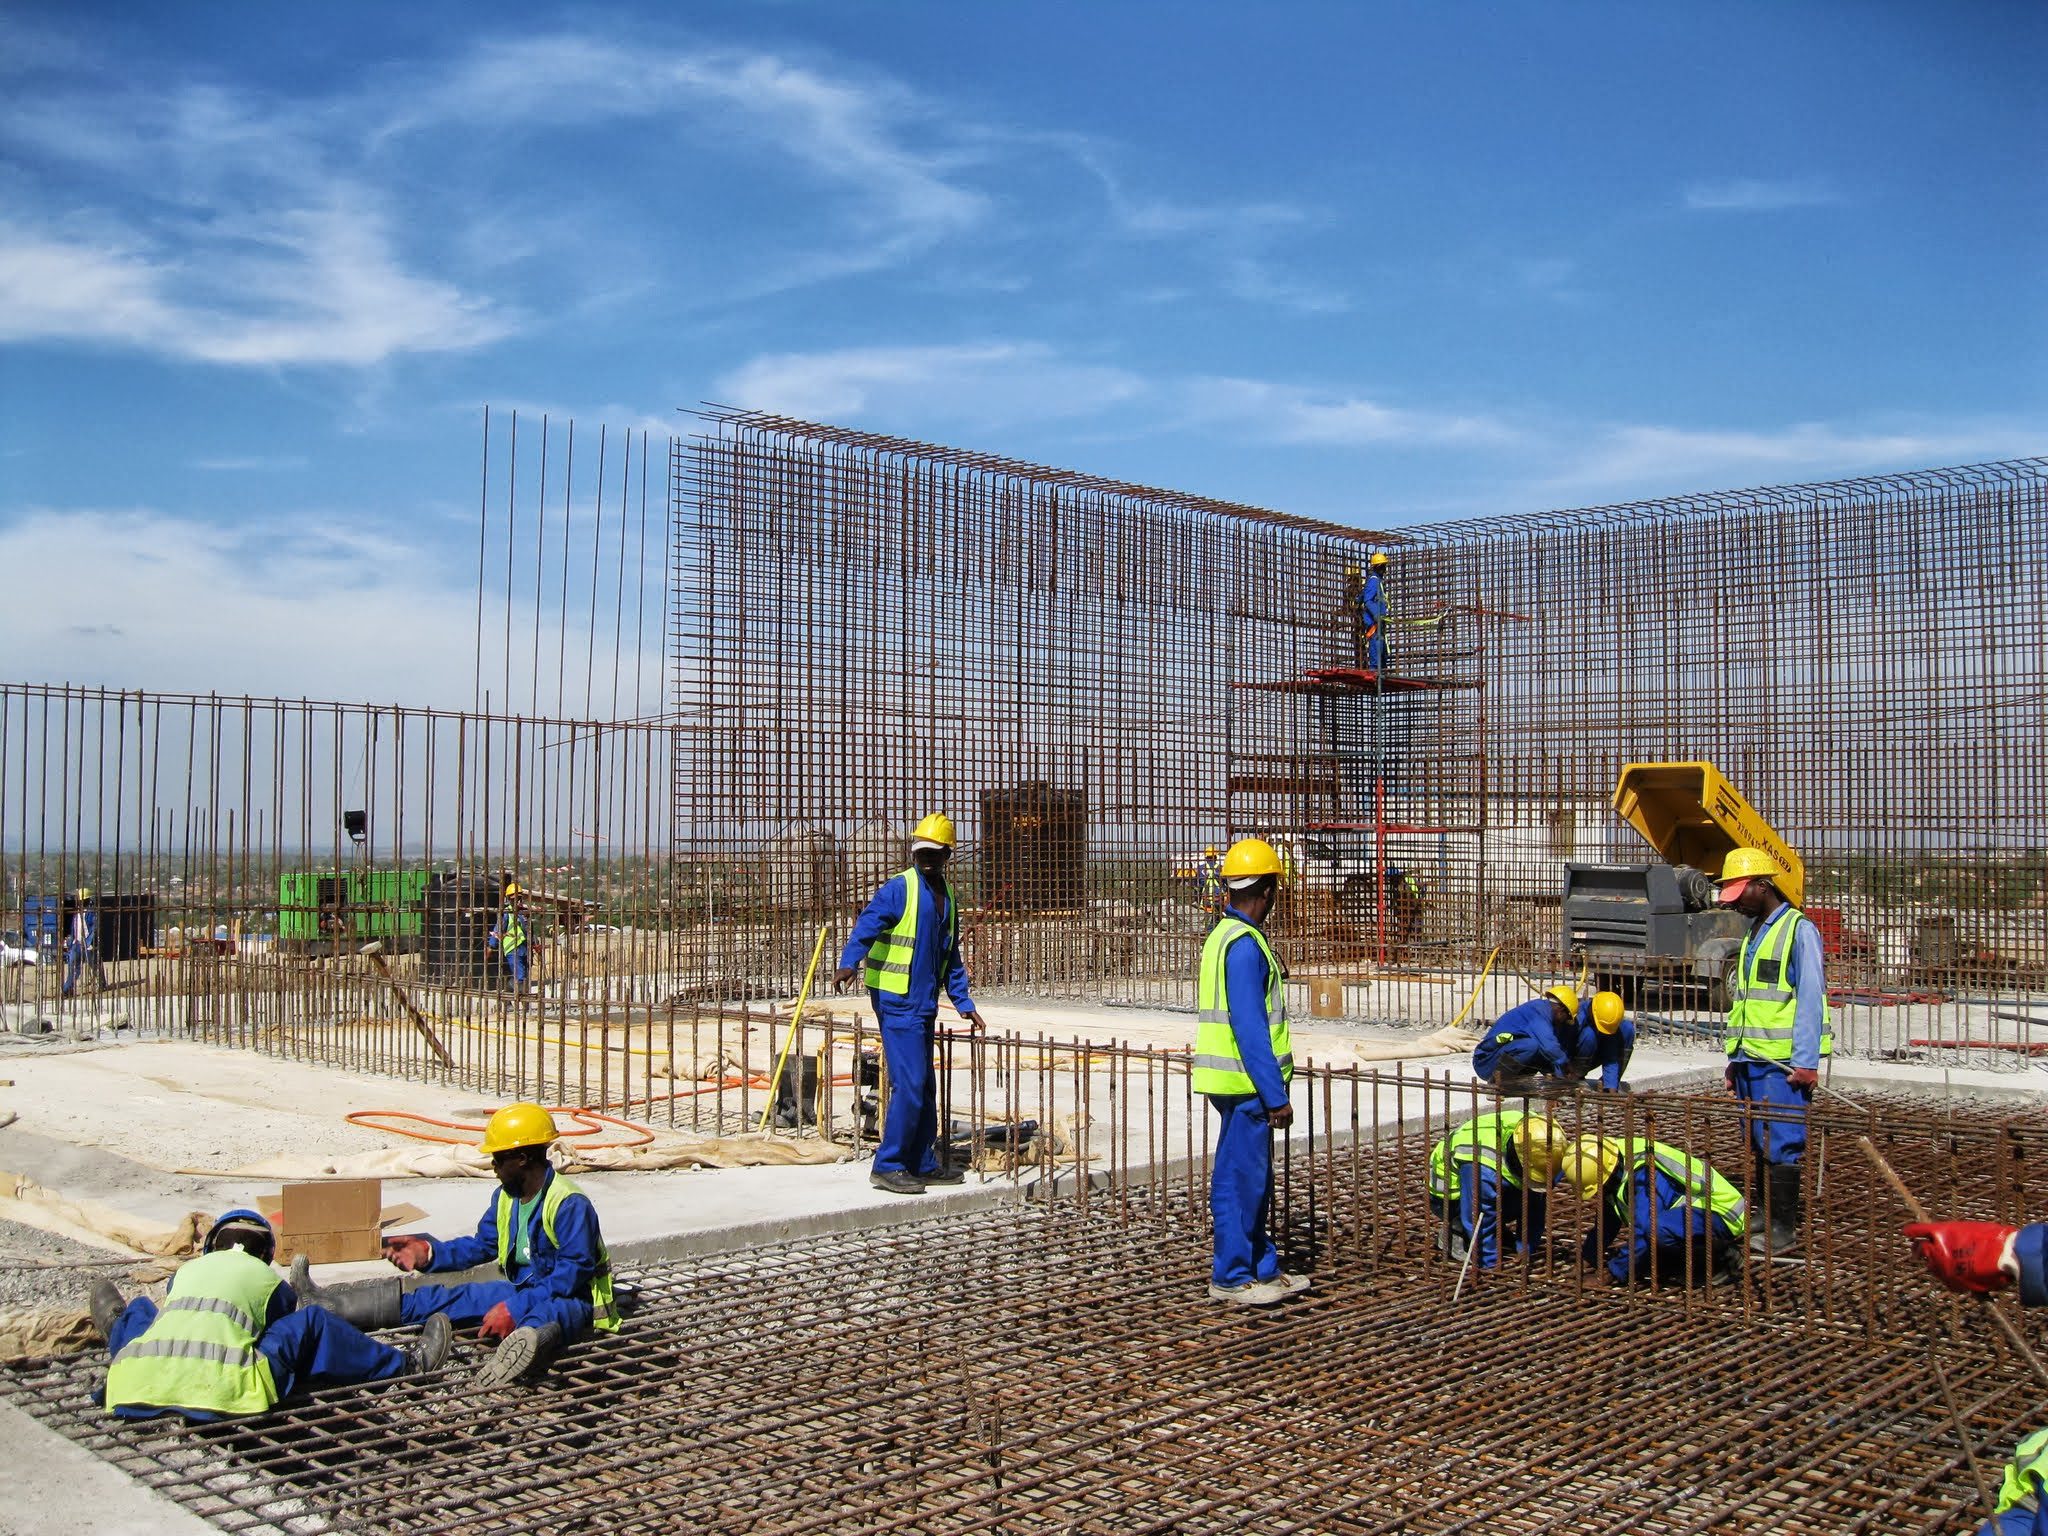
(261, 268)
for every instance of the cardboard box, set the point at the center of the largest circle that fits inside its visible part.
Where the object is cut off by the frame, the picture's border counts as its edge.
(336, 1221)
(1326, 996)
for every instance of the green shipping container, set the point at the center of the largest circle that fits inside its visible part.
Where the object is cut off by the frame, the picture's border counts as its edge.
(316, 906)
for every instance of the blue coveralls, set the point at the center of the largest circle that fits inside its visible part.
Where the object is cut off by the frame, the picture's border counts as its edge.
(1522, 1041)
(1782, 1139)
(910, 1131)
(1610, 1053)
(1489, 1212)
(1241, 1178)
(82, 946)
(308, 1348)
(1664, 1228)
(1372, 620)
(2031, 1249)
(553, 1286)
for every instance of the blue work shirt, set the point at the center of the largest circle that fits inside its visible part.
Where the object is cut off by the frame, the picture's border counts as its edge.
(1808, 980)
(563, 1268)
(1530, 1022)
(1610, 1053)
(1372, 601)
(1661, 1217)
(931, 957)
(1245, 976)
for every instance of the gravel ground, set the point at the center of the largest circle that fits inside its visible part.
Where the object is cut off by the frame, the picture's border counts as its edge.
(41, 1269)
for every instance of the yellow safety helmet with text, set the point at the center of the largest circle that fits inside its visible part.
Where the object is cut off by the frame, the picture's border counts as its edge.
(936, 828)
(1250, 857)
(518, 1125)
(1751, 864)
(1608, 1009)
(1567, 995)
(1588, 1163)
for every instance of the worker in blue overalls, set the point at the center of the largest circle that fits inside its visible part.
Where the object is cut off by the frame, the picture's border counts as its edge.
(82, 944)
(231, 1338)
(540, 1230)
(1603, 1037)
(1489, 1183)
(1525, 1043)
(1209, 881)
(1372, 615)
(512, 937)
(1659, 1213)
(1244, 1064)
(1979, 1258)
(909, 937)
(1777, 1034)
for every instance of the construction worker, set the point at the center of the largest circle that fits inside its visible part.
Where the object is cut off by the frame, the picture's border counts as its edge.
(1209, 881)
(1371, 629)
(909, 938)
(1603, 1036)
(1523, 1043)
(1488, 1184)
(1777, 1033)
(540, 1230)
(512, 937)
(82, 944)
(231, 1338)
(1658, 1212)
(1243, 1064)
(1980, 1258)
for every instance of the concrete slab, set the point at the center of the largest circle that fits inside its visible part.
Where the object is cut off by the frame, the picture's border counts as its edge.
(57, 1487)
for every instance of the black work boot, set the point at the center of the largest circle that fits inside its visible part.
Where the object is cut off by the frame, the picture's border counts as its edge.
(369, 1304)
(896, 1182)
(429, 1352)
(1777, 1235)
(523, 1352)
(106, 1306)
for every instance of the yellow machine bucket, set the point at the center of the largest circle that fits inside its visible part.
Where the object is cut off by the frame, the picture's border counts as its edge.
(1691, 814)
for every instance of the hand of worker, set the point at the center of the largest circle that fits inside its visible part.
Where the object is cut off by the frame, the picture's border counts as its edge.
(976, 1022)
(841, 977)
(1803, 1077)
(496, 1324)
(1280, 1119)
(1965, 1256)
(409, 1253)
(1728, 1076)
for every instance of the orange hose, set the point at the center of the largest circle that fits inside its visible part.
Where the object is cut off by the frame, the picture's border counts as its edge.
(589, 1125)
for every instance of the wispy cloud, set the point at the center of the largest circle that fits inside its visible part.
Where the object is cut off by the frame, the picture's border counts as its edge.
(1670, 458)
(1746, 195)
(1288, 413)
(250, 463)
(992, 384)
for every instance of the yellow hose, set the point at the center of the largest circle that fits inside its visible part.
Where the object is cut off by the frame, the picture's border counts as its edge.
(1484, 972)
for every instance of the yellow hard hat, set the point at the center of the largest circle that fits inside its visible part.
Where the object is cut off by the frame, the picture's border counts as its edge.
(1539, 1144)
(1567, 995)
(1607, 1012)
(512, 888)
(85, 893)
(936, 828)
(1209, 852)
(1750, 864)
(1250, 857)
(1587, 1163)
(1379, 557)
(518, 1125)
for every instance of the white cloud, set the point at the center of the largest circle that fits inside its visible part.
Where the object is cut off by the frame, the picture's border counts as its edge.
(1745, 195)
(247, 463)
(1288, 413)
(1675, 458)
(989, 384)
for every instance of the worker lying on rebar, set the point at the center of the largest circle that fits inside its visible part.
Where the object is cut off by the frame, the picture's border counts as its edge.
(1658, 1212)
(540, 1230)
(1980, 1258)
(1488, 1184)
(231, 1338)
(1603, 1037)
(1523, 1044)
(907, 941)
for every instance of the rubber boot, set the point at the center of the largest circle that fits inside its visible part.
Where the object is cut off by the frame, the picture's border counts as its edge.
(429, 1352)
(1779, 1235)
(523, 1352)
(105, 1305)
(369, 1304)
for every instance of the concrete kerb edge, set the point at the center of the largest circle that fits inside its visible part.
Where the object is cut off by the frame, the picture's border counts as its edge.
(787, 1229)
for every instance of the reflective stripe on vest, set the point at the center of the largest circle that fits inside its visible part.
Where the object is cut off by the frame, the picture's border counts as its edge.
(1481, 1141)
(200, 1353)
(604, 1306)
(1704, 1188)
(1218, 1065)
(1763, 1008)
(2026, 1474)
(889, 957)
(515, 932)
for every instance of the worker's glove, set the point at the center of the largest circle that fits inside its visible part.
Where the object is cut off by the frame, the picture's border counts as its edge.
(410, 1253)
(496, 1324)
(1804, 1077)
(1965, 1255)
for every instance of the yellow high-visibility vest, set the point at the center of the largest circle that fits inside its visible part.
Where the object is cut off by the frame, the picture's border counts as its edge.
(603, 1305)
(1218, 1065)
(1762, 1008)
(201, 1353)
(889, 957)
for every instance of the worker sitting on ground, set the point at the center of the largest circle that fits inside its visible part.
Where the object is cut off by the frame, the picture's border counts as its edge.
(1604, 1037)
(540, 1230)
(1981, 1258)
(1522, 1046)
(231, 1339)
(1488, 1184)
(1659, 1213)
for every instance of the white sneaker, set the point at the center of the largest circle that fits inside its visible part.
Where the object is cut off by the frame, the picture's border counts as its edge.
(1253, 1293)
(1295, 1284)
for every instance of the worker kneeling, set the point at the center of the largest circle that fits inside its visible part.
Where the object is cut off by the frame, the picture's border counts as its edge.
(231, 1338)
(1604, 1039)
(1524, 1043)
(1489, 1181)
(541, 1231)
(1659, 1213)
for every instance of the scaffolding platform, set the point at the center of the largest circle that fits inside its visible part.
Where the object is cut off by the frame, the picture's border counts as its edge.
(1357, 682)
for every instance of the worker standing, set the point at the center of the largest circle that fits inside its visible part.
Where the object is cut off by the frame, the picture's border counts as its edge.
(909, 937)
(1777, 1033)
(1659, 1213)
(1524, 1043)
(1209, 881)
(541, 1230)
(1244, 1064)
(512, 937)
(1603, 1036)
(1981, 1258)
(1489, 1183)
(1371, 629)
(82, 944)
(231, 1338)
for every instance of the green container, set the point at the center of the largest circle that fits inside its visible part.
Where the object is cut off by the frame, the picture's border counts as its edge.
(355, 905)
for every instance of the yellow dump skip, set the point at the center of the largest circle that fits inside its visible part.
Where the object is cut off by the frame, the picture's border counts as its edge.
(1691, 814)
